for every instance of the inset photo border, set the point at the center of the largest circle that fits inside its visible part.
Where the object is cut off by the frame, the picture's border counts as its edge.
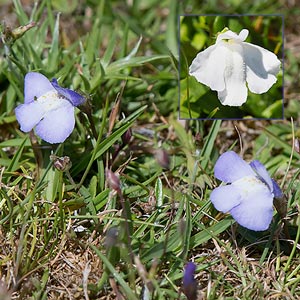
(231, 66)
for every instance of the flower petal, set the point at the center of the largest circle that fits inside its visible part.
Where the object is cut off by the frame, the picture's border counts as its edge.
(57, 124)
(243, 34)
(230, 167)
(35, 85)
(235, 91)
(208, 67)
(226, 197)
(262, 68)
(230, 35)
(75, 98)
(28, 115)
(262, 173)
(256, 209)
(277, 192)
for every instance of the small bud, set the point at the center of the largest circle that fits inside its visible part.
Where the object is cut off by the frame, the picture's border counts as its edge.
(113, 180)
(61, 163)
(111, 237)
(198, 140)
(162, 158)
(189, 284)
(9, 36)
(126, 137)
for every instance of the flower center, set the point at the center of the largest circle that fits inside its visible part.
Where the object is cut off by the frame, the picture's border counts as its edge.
(249, 183)
(52, 100)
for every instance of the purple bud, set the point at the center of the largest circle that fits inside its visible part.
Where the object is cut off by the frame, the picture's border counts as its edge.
(189, 284)
(126, 137)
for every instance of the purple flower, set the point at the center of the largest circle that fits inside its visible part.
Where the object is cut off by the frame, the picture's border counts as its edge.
(189, 284)
(249, 196)
(47, 107)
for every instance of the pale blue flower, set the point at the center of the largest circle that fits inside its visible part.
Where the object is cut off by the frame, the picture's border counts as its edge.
(47, 107)
(250, 192)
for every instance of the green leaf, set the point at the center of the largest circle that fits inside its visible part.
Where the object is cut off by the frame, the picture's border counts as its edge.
(54, 49)
(123, 63)
(128, 291)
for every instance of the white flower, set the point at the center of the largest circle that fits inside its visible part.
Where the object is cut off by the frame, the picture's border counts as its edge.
(226, 67)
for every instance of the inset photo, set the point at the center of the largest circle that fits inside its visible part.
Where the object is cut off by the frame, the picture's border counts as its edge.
(231, 67)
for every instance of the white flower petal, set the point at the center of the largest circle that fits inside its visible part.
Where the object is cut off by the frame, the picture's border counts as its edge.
(262, 68)
(208, 67)
(235, 91)
(243, 34)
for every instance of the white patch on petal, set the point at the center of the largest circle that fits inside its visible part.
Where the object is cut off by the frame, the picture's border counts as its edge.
(52, 101)
(249, 185)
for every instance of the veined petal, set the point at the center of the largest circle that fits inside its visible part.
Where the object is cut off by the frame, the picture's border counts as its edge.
(235, 91)
(57, 124)
(75, 98)
(256, 208)
(231, 167)
(35, 85)
(208, 67)
(262, 67)
(262, 173)
(28, 115)
(224, 198)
